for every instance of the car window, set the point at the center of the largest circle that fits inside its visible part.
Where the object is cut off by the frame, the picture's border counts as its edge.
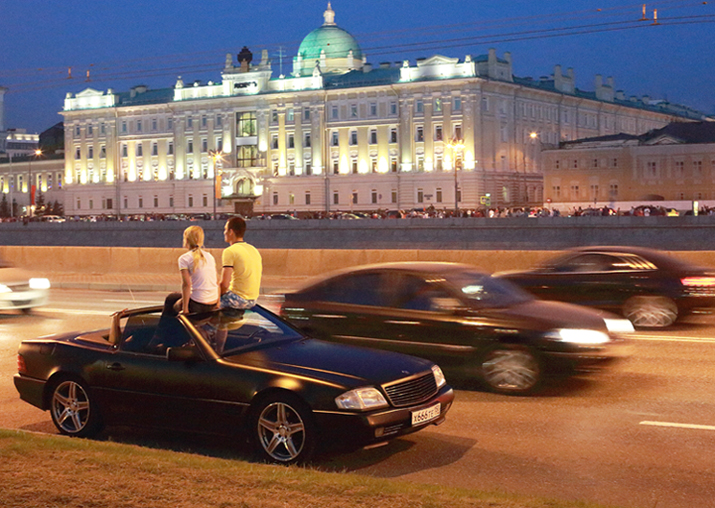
(591, 262)
(484, 291)
(356, 289)
(152, 334)
(230, 331)
(413, 292)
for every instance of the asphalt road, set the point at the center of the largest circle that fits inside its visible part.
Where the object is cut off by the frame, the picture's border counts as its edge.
(641, 434)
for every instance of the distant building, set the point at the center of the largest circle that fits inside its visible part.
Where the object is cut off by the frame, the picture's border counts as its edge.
(675, 163)
(14, 142)
(336, 134)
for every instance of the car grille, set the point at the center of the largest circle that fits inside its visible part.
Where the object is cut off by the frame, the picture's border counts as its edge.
(411, 391)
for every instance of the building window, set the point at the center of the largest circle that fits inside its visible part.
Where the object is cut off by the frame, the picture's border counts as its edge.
(190, 147)
(171, 201)
(651, 169)
(336, 201)
(420, 163)
(219, 144)
(139, 125)
(393, 196)
(204, 122)
(141, 202)
(373, 196)
(170, 148)
(191, 201)
(308, 168)
(334, 112)
(393, 135)
(438, 162)
(156, 201)
(247, 156)
(77, 131)
(355, 198)
(336, 167)
(205, 200)
(102, 129)
(291, 141)
(420, 134)
(204, 145)
(307, 197)
(290, 115)
(219, 121)
(438, 195)
(353, 138)
(419, 107)
(613, 191)
(140, 150)
(77, 153)
(574, 192)
(373, 109)
(154, 125)
(457, 104)
(291, 168)
(438, 133)
(306, 140)
(90, 130)
(458, 132)
(594, 191)
(275, 198)
(124, 127)
(393, 164)
(155, 148)
(306, 114)
(614, 163)
(334, 138)
(595, 163)
(393, 108)
(373, 136)
(354, 166)
(353, 111)
(189, 123)
(246, 124)
(126, 202)
(373, 164)
(274, 142)
(697, 169)
(556, 189)
(90, 152)
(679, 170)
(437, 106)
(575, 163)
(170, 124)
(420, 196)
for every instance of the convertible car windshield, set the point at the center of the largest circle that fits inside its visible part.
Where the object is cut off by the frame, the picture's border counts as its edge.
(485, 291)
(231, 331)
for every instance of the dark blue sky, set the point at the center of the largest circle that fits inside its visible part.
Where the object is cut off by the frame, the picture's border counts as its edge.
(129, 42)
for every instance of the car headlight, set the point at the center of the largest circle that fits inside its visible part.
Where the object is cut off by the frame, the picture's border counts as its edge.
(361, 399)
(438, 376)
(5, 289)
(619, 326)
(39, 284)
(579, 336)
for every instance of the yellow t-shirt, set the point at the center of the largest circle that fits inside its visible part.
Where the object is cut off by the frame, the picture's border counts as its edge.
(247, 269)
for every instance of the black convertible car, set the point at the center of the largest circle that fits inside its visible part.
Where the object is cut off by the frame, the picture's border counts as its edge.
(242, 373)
(650, 288)
(473, 325)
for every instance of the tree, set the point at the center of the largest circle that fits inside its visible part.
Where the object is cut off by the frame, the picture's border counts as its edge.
(4, 207)
(57, 209)
(39, 203)
(14, 207)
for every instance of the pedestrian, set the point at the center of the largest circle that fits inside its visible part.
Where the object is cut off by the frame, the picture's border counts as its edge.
(242, 268)
(199, 286)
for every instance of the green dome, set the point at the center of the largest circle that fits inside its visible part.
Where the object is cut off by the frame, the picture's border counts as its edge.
(336, 42)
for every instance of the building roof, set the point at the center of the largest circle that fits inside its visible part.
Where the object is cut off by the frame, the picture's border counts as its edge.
(332, 39)
(685, 132)
(138, 98)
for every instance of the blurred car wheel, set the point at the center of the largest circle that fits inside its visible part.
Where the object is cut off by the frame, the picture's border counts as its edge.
(73, 411)
(285, 432)
(511, 370)
(650, 311)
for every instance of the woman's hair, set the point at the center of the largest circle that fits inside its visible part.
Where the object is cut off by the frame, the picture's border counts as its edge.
(194, 240)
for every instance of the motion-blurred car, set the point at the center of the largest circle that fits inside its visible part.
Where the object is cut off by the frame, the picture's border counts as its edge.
(19, 290)
(472, 325)
(646, 286)
(245, 372)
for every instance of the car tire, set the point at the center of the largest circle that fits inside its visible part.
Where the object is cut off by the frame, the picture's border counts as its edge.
(512, 370)
(283, 430)
(650, 311)
(73, 409)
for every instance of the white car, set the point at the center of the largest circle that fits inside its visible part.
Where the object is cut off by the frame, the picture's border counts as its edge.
(18, 290)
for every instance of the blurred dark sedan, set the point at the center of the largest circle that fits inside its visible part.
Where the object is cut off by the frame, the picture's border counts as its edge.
(646, 286)
(474, 325)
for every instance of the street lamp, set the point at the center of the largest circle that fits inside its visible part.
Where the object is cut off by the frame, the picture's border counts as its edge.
(30, 192)
(216, 155)
(457, 145)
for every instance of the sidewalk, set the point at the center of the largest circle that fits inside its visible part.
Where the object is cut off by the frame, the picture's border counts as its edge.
(151, 282)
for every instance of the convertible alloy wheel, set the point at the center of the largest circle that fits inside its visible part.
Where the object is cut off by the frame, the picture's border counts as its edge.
(650, 311)
(284, 431)
(511, 370)
(72, 409)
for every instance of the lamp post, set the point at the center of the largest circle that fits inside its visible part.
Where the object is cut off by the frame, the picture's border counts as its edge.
(456, 145)
(30, 193)
(215, 156)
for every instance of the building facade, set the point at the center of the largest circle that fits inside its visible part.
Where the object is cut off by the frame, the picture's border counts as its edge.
(336, 134)
(674, 164)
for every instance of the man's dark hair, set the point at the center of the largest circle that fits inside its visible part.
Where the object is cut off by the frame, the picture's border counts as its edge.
(237, 225)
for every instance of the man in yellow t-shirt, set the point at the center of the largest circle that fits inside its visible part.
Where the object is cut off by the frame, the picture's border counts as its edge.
(242, 268)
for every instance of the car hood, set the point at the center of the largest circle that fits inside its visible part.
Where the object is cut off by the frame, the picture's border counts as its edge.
(348, 366)
(546, 315)
(14, 275)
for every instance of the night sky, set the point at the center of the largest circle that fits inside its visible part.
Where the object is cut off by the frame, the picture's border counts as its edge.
(130, 42)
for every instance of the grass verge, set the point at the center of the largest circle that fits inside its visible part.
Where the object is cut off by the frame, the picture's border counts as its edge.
(52, 471)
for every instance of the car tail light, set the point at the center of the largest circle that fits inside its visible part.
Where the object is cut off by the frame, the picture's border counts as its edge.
(698, 281)
(21, 367)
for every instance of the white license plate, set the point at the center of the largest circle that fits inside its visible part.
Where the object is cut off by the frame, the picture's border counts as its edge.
(426, 415)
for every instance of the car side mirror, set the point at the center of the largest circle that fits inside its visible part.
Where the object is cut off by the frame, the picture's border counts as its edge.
(183, 354)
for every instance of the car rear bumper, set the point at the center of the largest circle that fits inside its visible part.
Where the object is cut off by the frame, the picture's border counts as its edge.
(31, 390)
(353, 430)
(23, 299)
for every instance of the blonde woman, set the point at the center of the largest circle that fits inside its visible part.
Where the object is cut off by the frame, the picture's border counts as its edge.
(199, 289)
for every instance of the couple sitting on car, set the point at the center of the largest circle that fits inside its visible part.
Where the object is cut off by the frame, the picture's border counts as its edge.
(240, 275)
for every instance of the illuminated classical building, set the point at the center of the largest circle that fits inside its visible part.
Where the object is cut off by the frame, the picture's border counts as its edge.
(336, 134)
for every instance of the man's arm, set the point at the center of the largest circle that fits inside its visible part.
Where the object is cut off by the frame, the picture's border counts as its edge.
(225, 279)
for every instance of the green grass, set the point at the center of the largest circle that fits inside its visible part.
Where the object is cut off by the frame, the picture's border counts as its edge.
(44, 471)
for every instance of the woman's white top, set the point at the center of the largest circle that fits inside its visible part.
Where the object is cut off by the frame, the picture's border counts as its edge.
(204, 288)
